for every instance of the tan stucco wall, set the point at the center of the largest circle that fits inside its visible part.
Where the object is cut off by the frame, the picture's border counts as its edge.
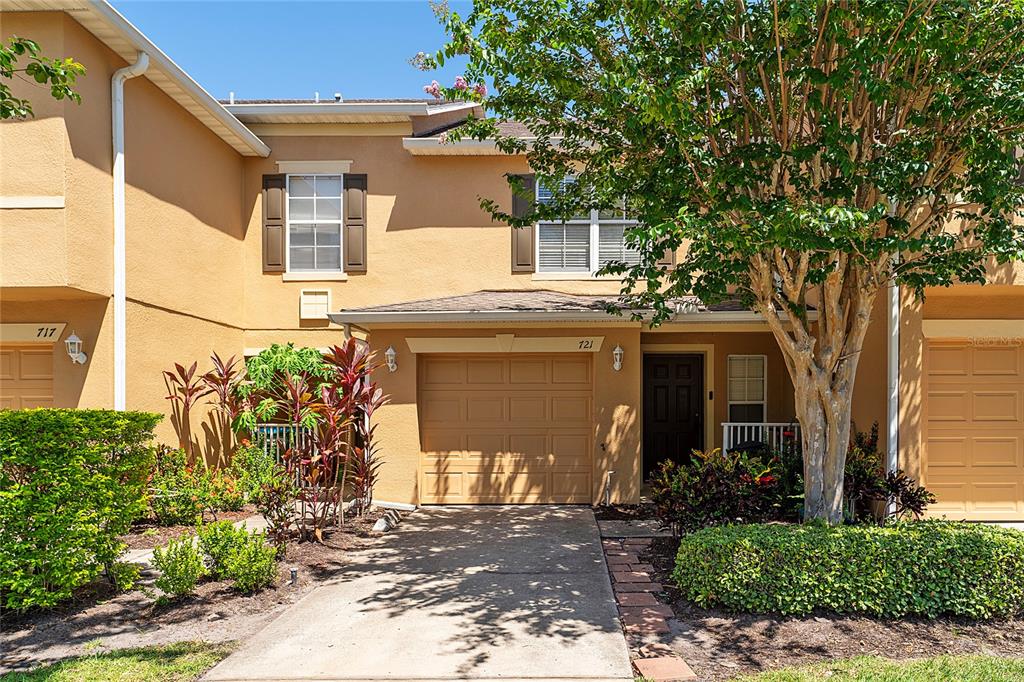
(426, 233)
(185, 275)
(64, 151)
(616, 408)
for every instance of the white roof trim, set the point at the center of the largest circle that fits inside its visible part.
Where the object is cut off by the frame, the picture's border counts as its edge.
(344, 317)
(432, 146)
(403, 316)
(112, 29)
(269, 111)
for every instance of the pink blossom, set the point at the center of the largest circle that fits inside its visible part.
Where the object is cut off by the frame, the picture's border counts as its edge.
(480, 89)
(460, 83)
(433, 89)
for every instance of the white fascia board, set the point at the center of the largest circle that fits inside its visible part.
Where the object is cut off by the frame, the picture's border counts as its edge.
(345, 108)
(116, 21)
(432, 146)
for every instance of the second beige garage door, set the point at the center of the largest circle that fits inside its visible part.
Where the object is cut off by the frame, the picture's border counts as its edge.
(505, 428)
(974, 439)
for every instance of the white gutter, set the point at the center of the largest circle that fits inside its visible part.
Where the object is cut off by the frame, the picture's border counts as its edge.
(120, 256)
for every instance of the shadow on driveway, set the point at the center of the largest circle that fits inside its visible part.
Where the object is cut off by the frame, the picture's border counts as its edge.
(456, 593)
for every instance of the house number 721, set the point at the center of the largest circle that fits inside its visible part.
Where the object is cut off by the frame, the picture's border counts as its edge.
(586, 344)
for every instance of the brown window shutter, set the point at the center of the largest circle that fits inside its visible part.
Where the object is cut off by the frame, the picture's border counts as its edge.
(524, 238)
(273, 222)
(354, 230)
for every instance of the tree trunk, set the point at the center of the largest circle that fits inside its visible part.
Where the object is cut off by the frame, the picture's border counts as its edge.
(825, 438)
(822, 361)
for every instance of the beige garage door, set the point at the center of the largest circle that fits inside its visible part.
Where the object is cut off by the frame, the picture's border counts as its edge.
(26, 376)
(505, 428)
(974, 416)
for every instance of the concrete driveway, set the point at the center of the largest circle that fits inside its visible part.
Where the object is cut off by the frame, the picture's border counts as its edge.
(478, 593)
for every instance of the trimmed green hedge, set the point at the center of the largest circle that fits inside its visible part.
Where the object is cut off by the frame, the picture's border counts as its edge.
(926, 568)
(71, 482)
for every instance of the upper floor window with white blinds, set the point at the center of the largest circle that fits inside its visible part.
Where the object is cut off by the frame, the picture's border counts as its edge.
(314, 223)
(584, 243)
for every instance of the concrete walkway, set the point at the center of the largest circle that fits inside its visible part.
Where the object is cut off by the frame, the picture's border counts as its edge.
(476, 593)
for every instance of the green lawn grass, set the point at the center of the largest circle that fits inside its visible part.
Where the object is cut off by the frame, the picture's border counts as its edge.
(875, 669)
(180, 662)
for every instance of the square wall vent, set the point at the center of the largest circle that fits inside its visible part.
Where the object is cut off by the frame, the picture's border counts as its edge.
(314, 304)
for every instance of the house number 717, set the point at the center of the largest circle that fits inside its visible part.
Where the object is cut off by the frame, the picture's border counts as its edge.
(45, 332)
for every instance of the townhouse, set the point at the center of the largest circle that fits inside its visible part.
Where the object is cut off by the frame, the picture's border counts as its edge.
(153, 224)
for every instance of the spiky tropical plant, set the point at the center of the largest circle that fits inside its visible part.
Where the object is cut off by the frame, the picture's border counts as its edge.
(184, 389)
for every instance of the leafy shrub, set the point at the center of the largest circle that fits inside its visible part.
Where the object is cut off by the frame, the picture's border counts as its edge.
(253, 466)
(182, 493)
(275, 500)
(715, 488)
(863, 475)
(181, 566)
(124, 575)
(219, 541)
(71, 482)
(253, 564)
(225, 492)
(178, 493)
(925, 568)
(265, 377)
(865, 481)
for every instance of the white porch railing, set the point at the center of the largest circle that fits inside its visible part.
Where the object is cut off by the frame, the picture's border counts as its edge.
(775, 434)
(276, 438)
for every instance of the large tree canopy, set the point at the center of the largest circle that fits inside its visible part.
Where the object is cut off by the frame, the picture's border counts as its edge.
(806, 155)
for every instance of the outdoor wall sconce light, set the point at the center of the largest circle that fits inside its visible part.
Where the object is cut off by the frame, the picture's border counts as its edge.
(74, 345)
(617, 354)
(391, 358)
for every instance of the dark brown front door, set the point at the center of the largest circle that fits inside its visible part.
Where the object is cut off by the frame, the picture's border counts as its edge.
(673, 408)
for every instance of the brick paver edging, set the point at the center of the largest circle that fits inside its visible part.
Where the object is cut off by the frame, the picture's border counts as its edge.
(639, 610)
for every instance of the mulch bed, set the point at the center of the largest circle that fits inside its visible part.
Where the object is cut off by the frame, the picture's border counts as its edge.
(720, 645)
(214, 613)
(624, 512)
(147, 534)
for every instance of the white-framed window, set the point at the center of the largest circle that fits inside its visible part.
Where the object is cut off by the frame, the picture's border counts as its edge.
(314, 223)
(584, 243)
(748, 388)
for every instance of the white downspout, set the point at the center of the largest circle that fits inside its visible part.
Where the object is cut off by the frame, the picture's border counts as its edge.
(120, 256)
(892, 461)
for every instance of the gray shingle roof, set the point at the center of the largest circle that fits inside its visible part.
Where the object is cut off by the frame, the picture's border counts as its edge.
(534, 300)
(526, 301)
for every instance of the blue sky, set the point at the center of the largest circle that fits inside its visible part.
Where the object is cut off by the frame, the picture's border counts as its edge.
(288, 49)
